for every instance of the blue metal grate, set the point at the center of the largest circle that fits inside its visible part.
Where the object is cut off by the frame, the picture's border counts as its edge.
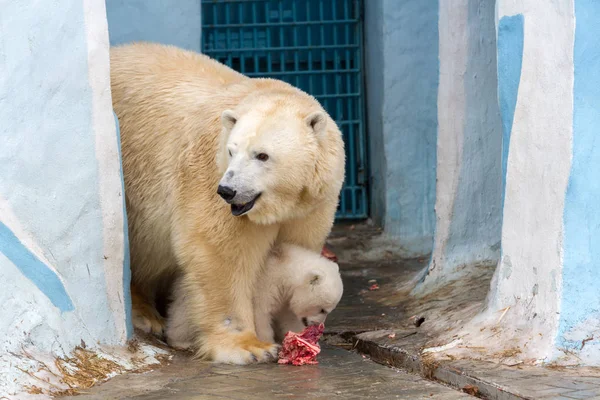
(315, 45)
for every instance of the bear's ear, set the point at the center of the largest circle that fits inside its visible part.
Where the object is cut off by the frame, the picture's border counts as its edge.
(228, 119)
(317, 121)
(314, 277)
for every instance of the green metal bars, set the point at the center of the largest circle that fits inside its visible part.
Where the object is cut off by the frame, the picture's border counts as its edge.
(315, 45)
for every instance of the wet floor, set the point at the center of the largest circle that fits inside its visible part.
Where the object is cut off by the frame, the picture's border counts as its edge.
(340, 374)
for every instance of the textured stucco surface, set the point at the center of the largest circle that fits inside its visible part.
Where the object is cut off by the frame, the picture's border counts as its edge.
(453, 50)
(61, 201)
(529, 276)
(402, 80)
(468, 190)
(166, 22)
(529, 175)
(522, 308)
(510, 62)
(518, 162)
(474, 234)
(580, 306)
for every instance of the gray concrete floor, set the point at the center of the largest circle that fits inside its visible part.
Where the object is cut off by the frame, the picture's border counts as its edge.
(341, 374)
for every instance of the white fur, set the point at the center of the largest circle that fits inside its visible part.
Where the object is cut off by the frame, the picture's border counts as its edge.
(252, 134)
(178, 330)
(175, 133)
(296, 283)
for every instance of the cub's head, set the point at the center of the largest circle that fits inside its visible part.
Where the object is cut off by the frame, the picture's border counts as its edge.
(269, 155)
(319, 293)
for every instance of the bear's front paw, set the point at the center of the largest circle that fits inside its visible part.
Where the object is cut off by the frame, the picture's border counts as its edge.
(148, 320)
(240, 348)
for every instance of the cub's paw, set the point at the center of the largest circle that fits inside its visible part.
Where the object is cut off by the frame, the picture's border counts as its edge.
(240, 348)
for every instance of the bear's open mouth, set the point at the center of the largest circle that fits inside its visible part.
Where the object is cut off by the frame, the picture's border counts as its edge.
(241, 209)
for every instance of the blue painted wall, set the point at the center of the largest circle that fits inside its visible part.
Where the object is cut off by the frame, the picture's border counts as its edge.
(127, 254)
(34, 269)
(62, 243)
(374, 56)
(176, 23)
(580, 307)
(510, 59)
(402, 79)
(475, 229)
(48, 159)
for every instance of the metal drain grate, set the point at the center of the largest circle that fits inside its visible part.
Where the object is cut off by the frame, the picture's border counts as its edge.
(315, 45)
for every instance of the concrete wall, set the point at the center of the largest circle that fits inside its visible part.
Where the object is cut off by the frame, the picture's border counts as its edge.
(468, 192)
(579, 310)
(63, 250)
(161, 21)
(535, 45)
(401, 83)
(542, 174)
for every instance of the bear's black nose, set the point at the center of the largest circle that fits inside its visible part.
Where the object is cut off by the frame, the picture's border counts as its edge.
(226, 192)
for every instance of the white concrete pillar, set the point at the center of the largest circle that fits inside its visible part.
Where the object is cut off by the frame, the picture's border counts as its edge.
(544, 302)
(63, 248)
(468, 191)
(535, 68)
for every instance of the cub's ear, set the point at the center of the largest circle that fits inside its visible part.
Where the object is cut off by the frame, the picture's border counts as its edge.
(317, 121)
(315, 277)
(228, 119)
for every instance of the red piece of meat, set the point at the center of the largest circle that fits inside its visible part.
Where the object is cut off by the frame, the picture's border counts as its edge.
(301, 348)
(325, 252)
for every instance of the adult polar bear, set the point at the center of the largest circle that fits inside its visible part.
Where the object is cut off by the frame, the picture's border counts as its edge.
(192, 127)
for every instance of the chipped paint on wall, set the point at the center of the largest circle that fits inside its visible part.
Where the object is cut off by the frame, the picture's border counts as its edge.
(62, 237)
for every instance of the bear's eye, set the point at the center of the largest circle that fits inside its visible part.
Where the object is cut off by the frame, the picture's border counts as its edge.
(262, 157)
(229, 153)
(323, 311)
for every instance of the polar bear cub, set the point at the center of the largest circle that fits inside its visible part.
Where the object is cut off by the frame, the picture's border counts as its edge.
(295, 289)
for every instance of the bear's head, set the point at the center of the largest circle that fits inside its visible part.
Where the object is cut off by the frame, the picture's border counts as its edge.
(271, 156)
(318, 294)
